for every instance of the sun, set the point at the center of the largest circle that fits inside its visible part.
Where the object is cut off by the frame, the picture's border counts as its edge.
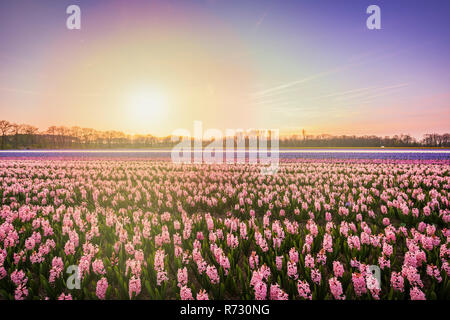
(148, 105)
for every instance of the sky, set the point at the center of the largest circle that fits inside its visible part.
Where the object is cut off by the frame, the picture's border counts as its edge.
(157, 65)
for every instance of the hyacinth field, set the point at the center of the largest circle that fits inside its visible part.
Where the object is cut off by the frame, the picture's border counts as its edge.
(151, 229)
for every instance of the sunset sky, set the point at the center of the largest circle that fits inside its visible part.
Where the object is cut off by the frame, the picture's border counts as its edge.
(155, 66)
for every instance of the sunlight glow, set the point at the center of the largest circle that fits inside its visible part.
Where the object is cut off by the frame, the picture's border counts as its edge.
(148, 105)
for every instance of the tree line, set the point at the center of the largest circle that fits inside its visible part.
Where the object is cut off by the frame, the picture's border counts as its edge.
(396, 141)
(24, 136)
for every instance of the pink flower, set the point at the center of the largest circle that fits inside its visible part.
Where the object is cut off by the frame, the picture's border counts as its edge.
(211, 271)
(338, 269)
(434, 272)
(417, 294)
(359, 284)
(373, 285)
(18, 277)
(65, 297)
(56, 270)
(253, 260)
(202, 295)
(260, 290)
(182, 277)
(21, 292)
(309, 261)
(321, 257)
(277, 294)
(279, 262)
(98, 267)
(383, 262)
(316, 276)
(261, 274)
(412, 274)
(387, 249)
(69, 248)
(159, 260)
(134, 286)
(327, 244)
(84, 266)
(161, 276)
(353, 242)
(303, 290)
(30, 243)
(186, 293)
(292, 270)
(336, 289)
(3, 273)
(232, 241)
(397, 281)
(102, 286)
(243, 230)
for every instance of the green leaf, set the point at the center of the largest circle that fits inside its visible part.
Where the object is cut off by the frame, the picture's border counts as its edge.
(391, 294)
(4, 294)
(86, 293)
(433, 295)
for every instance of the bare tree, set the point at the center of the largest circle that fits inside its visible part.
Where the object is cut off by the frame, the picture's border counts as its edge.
(109, 137)
(75, 132)
(62, 133)
(446, 139)
(87, 135)
(5, 129)
(17, 129)
(31, 132)
(52, 132)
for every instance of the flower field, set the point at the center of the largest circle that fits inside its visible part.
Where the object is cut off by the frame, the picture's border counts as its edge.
(150, 229)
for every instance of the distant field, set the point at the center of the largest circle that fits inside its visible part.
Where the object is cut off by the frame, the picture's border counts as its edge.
(284, 154)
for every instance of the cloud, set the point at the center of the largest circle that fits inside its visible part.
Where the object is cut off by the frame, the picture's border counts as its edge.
(279, 88)
(20, 91)
(370, 59)
(260, 20)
